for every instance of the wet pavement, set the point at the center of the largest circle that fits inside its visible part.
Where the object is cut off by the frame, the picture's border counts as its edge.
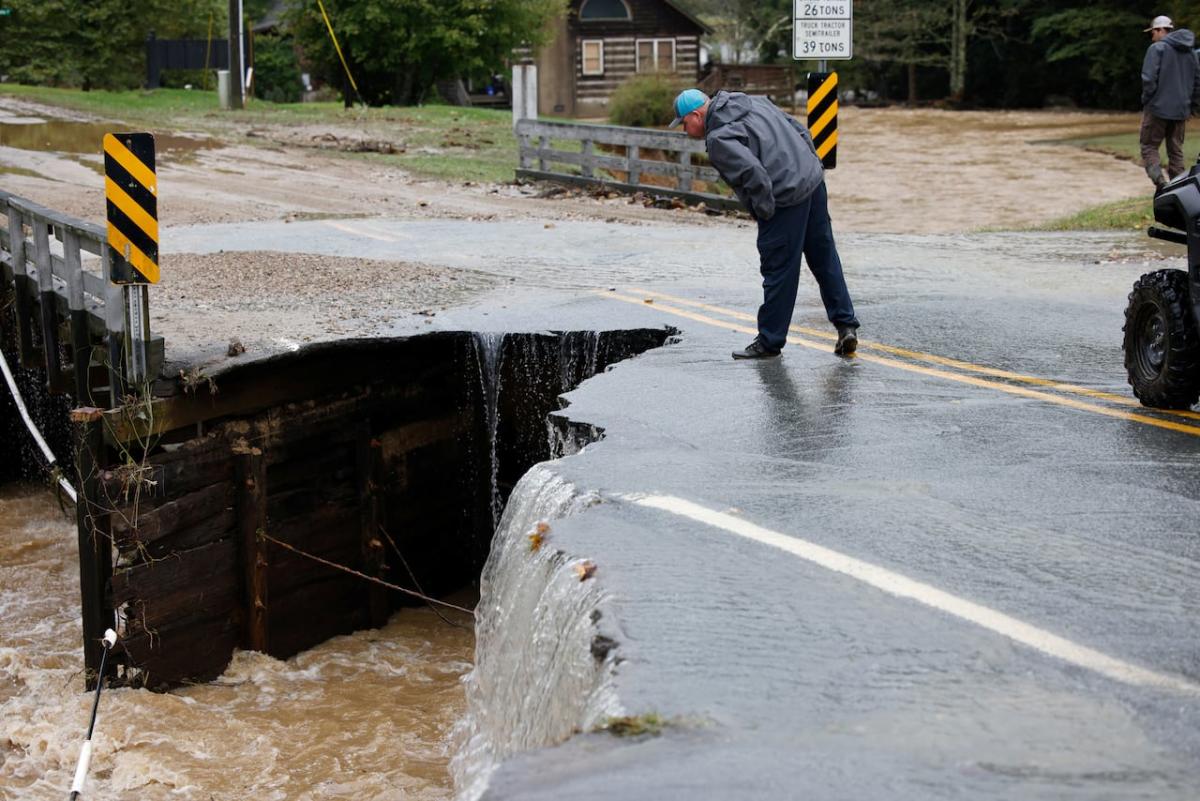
(983, 446)
(962, 565)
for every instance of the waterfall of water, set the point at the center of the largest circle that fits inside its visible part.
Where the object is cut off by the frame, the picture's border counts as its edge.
(578, 357)
(535, 680)
(489, 353)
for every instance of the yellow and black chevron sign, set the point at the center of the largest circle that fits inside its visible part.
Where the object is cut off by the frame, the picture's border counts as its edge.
(822, 115)
(131, 192)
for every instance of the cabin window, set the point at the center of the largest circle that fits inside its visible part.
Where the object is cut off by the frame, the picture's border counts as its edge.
(656, 55)
(604, 9)
(593, 56)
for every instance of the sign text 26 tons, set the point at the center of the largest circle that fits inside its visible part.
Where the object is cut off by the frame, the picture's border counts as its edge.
(824, 29)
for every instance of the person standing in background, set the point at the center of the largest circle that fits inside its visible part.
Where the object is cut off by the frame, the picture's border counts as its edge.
(1170, 94)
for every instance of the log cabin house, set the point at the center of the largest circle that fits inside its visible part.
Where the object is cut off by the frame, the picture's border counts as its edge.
(600, 44)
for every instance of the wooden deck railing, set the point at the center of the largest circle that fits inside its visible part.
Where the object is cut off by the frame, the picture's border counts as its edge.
(61, 265)
(538, 154)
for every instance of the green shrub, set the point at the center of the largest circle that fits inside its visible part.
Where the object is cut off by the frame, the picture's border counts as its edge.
(276, 70)
(645, 101)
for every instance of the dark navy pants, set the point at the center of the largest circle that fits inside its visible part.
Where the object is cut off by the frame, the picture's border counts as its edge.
(793, 231)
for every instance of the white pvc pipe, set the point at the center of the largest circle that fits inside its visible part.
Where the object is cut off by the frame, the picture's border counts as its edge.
(81, 769)
(37, 435)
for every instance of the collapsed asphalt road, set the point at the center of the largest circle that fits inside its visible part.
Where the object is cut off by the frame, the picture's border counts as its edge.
(963, 564)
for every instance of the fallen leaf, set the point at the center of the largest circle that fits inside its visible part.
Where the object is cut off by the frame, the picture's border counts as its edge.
(535, 541)
(585, 570)
(543, 527)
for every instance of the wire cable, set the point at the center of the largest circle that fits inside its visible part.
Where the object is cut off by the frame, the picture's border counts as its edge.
(413, 576)
(354, 572)
(51, 461)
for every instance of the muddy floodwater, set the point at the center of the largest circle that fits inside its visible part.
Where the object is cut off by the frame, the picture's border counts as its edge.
(65, 136)
(366, 716)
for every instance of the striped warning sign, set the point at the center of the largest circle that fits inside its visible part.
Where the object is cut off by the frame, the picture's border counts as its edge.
(131, 192)
(822, 115)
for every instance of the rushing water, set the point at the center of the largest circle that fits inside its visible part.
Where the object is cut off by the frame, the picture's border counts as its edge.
(489, 350)
(366, 716)
(535, 681)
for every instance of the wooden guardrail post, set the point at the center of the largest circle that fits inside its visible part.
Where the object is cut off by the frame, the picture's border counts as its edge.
(629, 148)
(524, 145)
(47, 298)
(685, 172)
(114, 325)
(587, 168)
(81, 340)
(16, 246)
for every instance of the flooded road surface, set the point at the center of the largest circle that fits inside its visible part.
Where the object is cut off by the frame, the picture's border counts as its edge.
(66, 136)
(364, 716)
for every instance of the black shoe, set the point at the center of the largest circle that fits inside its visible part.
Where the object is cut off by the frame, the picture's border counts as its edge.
(847, 341)
(755, 350)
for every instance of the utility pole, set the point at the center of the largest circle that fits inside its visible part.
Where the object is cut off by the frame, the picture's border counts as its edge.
(235, 54)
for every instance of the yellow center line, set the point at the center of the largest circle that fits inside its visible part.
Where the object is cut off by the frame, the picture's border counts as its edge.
(354, 231)
(864, 344)
(932, 372)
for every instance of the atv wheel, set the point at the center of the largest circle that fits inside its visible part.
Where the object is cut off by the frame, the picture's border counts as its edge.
(1162, 348)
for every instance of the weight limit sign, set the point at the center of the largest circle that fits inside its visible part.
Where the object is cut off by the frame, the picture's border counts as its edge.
(824, 30)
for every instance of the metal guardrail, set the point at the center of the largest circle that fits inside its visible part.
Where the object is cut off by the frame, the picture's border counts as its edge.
(62, 263)
(537, 153)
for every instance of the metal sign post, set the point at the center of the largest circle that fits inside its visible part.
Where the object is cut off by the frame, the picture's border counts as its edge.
(131, 194)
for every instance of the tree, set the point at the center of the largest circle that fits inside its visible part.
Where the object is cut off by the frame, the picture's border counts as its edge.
(95, 44)
(1096, 39)
(398, 49)
(745, 31)
(984, 19)
(911, 33)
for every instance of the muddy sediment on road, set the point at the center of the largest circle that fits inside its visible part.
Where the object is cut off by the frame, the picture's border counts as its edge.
(268, 302)
(926, 171)
(899, 170)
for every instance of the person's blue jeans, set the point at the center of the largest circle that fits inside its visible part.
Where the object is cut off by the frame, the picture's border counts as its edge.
(795, 230)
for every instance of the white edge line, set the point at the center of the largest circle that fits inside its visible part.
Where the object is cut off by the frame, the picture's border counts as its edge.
(904, 587)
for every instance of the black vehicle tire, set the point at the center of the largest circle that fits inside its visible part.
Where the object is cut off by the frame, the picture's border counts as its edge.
(1162, 346)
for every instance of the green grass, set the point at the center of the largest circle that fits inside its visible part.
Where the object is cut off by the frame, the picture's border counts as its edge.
(1125, 146)
(125, 106)
(1132, 214)
(444, 142)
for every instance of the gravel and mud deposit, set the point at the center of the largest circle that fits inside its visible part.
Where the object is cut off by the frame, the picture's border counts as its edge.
(913, 171)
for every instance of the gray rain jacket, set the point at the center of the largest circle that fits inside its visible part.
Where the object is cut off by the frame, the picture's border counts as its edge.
(1170, 77)
(765, 155)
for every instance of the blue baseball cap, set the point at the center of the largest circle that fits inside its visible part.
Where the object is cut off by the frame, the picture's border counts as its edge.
(686, 102)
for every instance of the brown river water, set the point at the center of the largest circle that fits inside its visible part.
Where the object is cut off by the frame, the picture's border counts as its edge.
(366, 716)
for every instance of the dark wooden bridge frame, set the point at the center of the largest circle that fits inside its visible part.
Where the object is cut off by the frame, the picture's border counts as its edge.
(58, 267)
